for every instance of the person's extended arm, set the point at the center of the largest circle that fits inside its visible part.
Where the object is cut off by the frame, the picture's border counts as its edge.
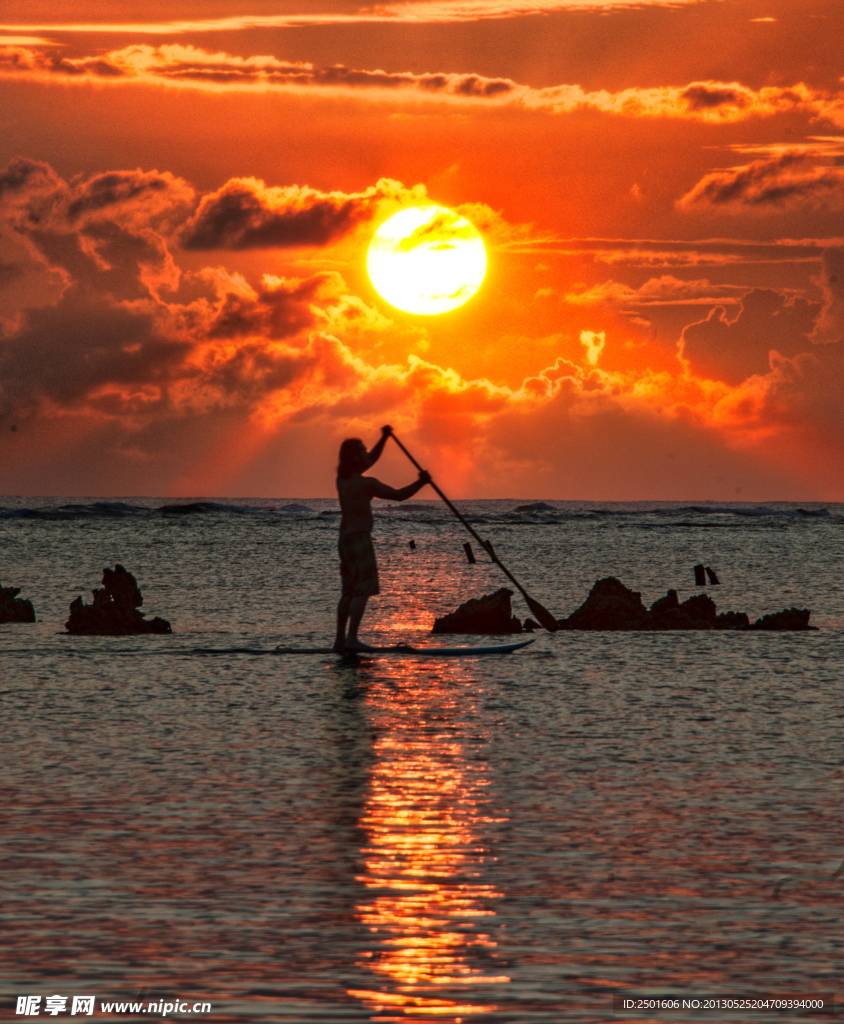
(379, 490)
(378, 447)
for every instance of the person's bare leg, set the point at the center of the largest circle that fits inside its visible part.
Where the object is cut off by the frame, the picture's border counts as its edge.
(356, 609)
(342, 617)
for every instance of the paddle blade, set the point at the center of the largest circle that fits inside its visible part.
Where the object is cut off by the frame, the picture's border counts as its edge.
(543, 616)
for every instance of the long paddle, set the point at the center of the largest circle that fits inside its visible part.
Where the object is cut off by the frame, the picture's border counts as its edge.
(545, 618)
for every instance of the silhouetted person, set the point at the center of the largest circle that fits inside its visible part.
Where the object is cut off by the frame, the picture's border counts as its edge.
(357, 556)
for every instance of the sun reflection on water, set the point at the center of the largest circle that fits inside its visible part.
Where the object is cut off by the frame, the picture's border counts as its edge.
(431, 914)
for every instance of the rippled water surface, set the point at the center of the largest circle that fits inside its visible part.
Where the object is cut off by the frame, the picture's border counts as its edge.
(512, 838)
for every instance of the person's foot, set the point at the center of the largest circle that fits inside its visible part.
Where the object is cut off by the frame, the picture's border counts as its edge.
(357, 645)
(339, 646)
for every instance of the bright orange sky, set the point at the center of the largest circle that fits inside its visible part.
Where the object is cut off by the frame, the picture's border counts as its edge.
(188, 190)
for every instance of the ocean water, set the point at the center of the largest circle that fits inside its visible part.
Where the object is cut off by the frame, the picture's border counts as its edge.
(516, 838)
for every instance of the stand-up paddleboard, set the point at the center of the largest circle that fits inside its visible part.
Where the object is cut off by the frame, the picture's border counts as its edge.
(404, 649)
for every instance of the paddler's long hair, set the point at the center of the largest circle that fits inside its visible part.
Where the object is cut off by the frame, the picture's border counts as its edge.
(349, 458)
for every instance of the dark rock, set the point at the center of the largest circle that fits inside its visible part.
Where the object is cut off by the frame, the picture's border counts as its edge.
(787, 619)
(665, 613)
(122, 587)
(665, 605)
(732, 620)
(609, 606)
(114, 611)
(14, 608)
(489, 614)
(696, 612)
(700, 606)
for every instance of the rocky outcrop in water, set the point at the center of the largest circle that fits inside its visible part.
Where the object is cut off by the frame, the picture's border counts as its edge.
(787, 619)
(611, 606)
(114, 611)
(14, 608)
(489, 614)
(696, 612)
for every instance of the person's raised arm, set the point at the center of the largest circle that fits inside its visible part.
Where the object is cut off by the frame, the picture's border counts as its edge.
(378, 447)
(379, 490)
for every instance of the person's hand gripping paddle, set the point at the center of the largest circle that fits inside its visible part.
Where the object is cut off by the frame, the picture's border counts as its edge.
(544, 617)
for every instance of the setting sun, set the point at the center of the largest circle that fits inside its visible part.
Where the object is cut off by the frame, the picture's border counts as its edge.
(426, 260)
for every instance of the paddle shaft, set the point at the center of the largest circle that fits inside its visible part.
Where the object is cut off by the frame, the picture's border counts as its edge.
(533, 605)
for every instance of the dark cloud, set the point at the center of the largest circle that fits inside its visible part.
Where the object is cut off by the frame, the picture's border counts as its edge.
(248, 374)
(120, 341)
(269, 71)
(181, 65)
(707, 97)
(92, 352)
(246, 214)
(64, 353)
(171, 64)
(791, 179)
(806, 393)
(107, 231)
(485, 88)
(105, 256)
(238, 217)
(732, 350)
(279, 309)
(830, 325)
(21, 59)
(187, 64)
(121, 187)
(9, 272)
(27, 176)
(46, 200)
(99, 67)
